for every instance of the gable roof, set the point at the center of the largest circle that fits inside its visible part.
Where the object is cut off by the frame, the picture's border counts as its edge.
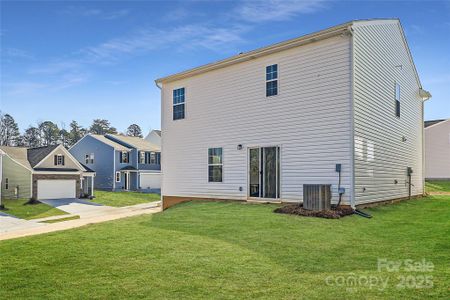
(295, 42)
(36, 155)
(434, 122)
(109, 142)
(18, 154)
(158, 132)
(135, 142)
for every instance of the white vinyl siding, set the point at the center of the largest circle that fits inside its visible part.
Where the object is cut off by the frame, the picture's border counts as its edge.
(385, 145)
(309, 121)
(437, 151)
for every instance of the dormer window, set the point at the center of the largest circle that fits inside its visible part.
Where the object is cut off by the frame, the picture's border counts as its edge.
(59, 160)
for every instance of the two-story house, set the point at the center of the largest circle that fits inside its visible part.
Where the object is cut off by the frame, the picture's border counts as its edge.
(342, 107)
(120, 162)
(49, 172)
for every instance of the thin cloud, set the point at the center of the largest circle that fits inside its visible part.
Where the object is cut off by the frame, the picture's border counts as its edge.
(15, 53)
(276, 10)
(96, 12)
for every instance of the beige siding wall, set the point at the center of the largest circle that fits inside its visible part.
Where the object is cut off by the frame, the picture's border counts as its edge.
(381, 157)
(17, 176)
(309, 120)
(50, 162)
(437, 151)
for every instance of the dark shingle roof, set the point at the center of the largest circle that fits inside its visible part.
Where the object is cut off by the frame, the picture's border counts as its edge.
(89, 170)
(432, 122)
(35, 155)
(128, 168)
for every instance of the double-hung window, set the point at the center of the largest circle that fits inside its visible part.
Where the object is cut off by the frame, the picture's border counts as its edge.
(152, 158)
(86, 158)
(117, 176)
(397, 100)
(215, 165)
(92, 158)
(142, 159)
(124, 157)
(271, 80)
(178, 104)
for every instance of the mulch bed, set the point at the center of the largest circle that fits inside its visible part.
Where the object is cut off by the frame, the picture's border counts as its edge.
(295, 209)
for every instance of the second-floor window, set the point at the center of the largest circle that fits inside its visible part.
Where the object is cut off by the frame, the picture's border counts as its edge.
(397, 100)
(59, 160)
(142, 157)
(178, 104)
(124, 157)
(271, 80)
(89, 158)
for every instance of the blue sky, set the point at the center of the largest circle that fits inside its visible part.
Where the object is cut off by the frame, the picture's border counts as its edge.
(98, 59)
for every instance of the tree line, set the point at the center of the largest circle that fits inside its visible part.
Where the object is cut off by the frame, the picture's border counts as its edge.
(48, 133)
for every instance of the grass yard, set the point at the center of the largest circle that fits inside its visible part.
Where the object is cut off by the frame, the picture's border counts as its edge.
(18, 208)
(234, 250)
(437, 186)
(119, 199)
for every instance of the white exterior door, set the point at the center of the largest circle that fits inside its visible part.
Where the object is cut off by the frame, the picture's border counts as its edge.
(150, 181)
(56, 189)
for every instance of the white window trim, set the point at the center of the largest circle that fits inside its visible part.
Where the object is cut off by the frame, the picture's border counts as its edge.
(276, 79)
(91, 158)
(59, 159)
(118, 177)
(184, 102)
(208, 165)
(86, 158)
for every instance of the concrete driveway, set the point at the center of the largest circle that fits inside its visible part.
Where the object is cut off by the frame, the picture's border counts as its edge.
(82, 208)
(10, 223)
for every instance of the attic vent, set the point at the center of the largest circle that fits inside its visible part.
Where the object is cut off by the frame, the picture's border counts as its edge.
(317, 196)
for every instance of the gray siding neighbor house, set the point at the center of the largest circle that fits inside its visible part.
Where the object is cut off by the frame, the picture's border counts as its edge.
(120, 162)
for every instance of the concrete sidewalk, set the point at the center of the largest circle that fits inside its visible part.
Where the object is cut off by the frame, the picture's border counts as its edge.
(10, 223)
(117, 213)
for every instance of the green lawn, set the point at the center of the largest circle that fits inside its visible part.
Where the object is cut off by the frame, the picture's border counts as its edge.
(18, 208)
(437, 186)
(119, 199)
(203, 250)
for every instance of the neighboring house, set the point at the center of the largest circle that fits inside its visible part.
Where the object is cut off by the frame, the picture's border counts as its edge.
(260, 125)
(437, 149)
(154, 137)
(120, 162)
(43, 173)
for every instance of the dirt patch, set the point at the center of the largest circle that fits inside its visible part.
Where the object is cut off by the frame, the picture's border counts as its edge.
(295, 209)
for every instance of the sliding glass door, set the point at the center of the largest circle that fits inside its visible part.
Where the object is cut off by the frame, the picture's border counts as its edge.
(264, 172)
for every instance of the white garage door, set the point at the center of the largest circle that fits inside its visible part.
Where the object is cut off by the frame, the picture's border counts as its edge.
(56, 189)
(150, 181)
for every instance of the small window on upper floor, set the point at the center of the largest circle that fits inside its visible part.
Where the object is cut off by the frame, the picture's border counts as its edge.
(86, 158)
(124, 157)
(397, 100)
(6, 183)
(271, 80)
(92, 158)
(178, 104)
(59, 160)
(142, 159)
